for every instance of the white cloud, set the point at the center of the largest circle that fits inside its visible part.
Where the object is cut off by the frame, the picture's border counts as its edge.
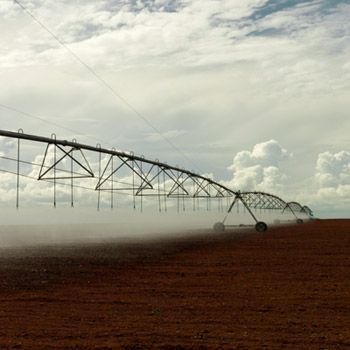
(259, 169)
(269, 153)
(328, 191)
(333, 169)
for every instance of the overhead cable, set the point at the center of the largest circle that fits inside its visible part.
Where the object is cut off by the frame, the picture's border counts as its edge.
(106, 84)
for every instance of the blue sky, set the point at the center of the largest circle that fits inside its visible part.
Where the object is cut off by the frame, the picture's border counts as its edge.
(255, 92)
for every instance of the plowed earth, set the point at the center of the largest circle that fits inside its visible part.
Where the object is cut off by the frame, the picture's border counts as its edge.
(286, 289)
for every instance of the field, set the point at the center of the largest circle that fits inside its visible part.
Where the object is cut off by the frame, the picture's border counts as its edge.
(286, 289)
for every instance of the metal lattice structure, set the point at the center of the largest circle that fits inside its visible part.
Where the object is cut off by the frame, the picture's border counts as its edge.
(68, 163)
(262, 200)
(307, 211)
(298, 208)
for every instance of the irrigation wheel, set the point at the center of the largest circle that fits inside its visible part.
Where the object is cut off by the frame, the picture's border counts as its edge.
(260, 226)
(219, 227)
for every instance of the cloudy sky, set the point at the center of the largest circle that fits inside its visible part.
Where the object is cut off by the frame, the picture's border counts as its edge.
(256, 92)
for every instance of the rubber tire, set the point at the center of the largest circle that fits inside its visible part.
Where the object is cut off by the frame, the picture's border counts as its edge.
(300, 221)
(219, 227)
(260, 227)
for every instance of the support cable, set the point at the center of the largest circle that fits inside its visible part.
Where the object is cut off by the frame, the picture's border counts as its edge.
(51, 181)
(106, 84)
(32, 116)
(48, 167)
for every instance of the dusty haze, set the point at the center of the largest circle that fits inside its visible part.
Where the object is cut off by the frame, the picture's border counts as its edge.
(28, 227)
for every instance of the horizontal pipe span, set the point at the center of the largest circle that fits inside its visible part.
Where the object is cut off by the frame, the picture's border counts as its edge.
(35, 138)
(164, 166)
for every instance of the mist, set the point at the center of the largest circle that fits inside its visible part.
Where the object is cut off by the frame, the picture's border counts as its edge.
(28, 227)
(64, 226)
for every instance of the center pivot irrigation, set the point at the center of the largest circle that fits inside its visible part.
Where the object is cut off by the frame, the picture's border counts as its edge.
(79, 167)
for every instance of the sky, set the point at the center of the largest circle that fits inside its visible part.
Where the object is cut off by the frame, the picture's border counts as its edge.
(254, 92)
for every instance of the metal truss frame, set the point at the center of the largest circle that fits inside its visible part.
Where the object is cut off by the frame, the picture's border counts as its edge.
(298, 208)
(146, 177)
(259, 200)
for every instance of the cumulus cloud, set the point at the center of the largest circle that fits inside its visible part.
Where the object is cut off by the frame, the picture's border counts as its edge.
(331, 195)
(327, 192)
(333, 179)
(259, 169)
(333, 169)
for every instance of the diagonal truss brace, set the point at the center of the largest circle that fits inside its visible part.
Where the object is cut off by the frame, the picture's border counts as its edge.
(145, 182)
(239, 197)
(69, 154)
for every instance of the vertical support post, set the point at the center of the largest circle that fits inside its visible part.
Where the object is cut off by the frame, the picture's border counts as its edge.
(178, 193)
(141, 193)
(159, 199)
(53, 136)
(165, 194)
(54, 177)
(99, 176)
(18, 169)
(71, 184)
(112, 180)
(183, 196)
(133, 182)
(17, 191)
(72, 178)
(194, 200)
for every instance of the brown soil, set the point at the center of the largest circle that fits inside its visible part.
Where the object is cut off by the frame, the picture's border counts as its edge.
(286, 289)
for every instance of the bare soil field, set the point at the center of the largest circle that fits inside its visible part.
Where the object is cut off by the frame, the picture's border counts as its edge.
(286, 289)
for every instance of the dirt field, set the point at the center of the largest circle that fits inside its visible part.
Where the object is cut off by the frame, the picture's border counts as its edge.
(286, 289)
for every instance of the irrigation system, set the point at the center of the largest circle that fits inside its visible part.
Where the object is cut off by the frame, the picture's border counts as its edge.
(69, 169)
(79, 167)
